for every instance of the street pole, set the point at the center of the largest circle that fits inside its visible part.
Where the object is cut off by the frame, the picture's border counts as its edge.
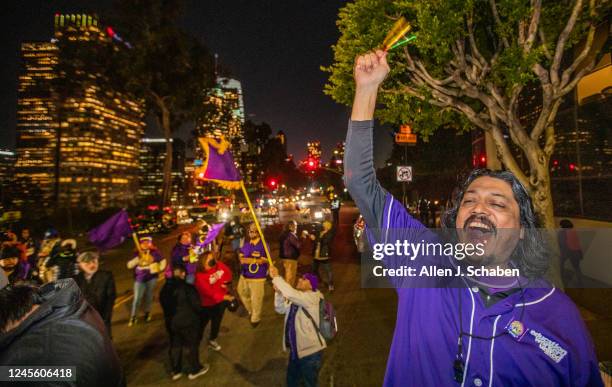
(404, 196)
(578, 159)
(261, 234)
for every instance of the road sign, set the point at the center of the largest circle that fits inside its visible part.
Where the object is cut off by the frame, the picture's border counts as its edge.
(405, 136)
(404, 173)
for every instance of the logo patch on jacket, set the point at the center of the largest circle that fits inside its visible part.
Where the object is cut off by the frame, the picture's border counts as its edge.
(550, 348)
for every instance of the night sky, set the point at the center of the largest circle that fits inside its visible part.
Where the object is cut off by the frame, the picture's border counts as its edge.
(275, 48)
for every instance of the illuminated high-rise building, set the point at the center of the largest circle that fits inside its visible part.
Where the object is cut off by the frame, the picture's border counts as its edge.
(77, 139)
(7, 168)
(7, 165)
(152, 159)
(314, 150)
(226, 116)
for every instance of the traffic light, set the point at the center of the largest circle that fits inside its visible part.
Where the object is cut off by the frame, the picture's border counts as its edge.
(272, 183)
(312, 164)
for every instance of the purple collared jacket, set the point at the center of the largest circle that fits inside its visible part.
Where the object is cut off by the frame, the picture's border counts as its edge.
(250, 250)
(554, 349)
(143, 274)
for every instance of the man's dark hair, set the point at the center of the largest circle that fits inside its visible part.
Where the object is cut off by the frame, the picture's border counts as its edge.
(179, 267)
(15, 303)
(530, 254)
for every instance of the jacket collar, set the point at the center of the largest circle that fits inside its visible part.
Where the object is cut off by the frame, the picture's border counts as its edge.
(57, 300)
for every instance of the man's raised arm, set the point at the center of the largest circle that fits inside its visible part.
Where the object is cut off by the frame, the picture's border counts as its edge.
(359, 175)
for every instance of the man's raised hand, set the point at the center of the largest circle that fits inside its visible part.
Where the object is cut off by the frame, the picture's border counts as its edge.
(370, 69)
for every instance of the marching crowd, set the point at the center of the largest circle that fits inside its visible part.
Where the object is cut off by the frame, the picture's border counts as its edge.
(197, 287)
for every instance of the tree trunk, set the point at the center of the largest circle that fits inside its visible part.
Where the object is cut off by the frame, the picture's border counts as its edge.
(167, 184)
(543, 206)
(539, 189)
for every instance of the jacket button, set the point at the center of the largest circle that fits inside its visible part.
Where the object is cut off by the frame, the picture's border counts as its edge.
(477, 382)
(475, 289)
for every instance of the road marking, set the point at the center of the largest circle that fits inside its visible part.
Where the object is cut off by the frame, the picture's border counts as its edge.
(123, 300)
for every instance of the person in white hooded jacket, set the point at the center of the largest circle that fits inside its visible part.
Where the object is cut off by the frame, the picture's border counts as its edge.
(301, 338)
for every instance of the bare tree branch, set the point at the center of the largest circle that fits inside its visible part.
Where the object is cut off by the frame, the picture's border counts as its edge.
(547, 96)
(475, 52)
(533, 25)
(549, 144)
(562, 40)
(586, 50)
(570, 86)
(498, 21)
(549, 136)
(506, 155)
(544, 45)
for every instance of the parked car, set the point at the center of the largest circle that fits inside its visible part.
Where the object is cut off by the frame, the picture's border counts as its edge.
(153, 219)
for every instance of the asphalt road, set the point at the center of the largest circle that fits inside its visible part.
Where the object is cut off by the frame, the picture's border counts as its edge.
(254, 357)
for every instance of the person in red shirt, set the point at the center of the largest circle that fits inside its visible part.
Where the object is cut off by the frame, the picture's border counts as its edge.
(212, 280)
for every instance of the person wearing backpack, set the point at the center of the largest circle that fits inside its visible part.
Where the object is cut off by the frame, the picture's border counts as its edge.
(301, 335)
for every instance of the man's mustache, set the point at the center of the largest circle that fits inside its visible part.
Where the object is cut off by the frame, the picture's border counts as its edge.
(481, 219)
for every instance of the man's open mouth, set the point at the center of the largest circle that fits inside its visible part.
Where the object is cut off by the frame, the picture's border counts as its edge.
(479, 229)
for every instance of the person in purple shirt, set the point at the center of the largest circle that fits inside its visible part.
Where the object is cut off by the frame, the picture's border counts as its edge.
(183, 254)
(147, 264)
(517, 331)
(253, 272)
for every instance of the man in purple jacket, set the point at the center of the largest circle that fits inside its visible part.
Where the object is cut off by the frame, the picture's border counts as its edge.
(253, 272)
(518, 331)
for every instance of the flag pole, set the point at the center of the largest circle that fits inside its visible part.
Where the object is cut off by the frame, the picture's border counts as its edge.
(135, 237)
(263, 240)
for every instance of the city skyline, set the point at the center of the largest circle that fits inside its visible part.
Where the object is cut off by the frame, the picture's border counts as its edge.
(286, 93)
(77, 137)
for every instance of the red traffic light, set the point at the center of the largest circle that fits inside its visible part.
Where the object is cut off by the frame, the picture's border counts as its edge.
(572, 167)
(312, 164)
(272, 183)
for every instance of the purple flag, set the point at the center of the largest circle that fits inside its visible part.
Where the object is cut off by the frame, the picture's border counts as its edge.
(112, 232)
(213, 232)
(219, 165)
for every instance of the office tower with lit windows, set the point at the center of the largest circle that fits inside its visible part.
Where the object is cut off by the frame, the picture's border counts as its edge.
(7, 169)
(152, 159)
(225, 116)
(77, 139)
(314, 150)
(7, 166)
